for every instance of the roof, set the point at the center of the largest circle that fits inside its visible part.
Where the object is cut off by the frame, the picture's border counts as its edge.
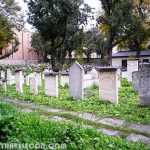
(129, 53)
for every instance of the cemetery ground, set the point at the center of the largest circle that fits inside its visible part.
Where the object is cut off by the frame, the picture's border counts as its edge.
(64, 118)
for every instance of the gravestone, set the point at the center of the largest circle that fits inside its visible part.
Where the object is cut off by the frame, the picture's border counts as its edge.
(76, 73)
(142, 83)
(108, 84)
(39, 78)
(64, 79)
(27, 79)
(33, 85)
(18, 80)
(51, 84)
(3, 74)
(132, 65)
(135, 80)
(4, 85)
(9, 76)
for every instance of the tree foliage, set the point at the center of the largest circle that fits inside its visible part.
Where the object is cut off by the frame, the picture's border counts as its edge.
(9, 19)
(124, 22)
(57, 21)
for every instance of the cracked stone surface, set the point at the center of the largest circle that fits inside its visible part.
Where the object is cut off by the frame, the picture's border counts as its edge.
(137, 137)
(112, 122)
(27, 110)
(56, 118)
(109, 132)
(142, 128)
(88, 116)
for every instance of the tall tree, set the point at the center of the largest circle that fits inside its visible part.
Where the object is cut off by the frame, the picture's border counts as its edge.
(11, 11)
(51, 19)
(112, 22)
(124, 22)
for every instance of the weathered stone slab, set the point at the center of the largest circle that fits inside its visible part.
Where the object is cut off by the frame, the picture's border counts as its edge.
(33, 85)
(132, 65)
(141, 128)
(112, 122)
(109, 132)
(18, 80)
(39, 78)
(135, 80)
(51, 84)
(141, 83)
(10, 77)
(27, 79)
(108, 84)
(4, 85)
(137, 137)
(64, 79)
(76, 74)
(3, 74)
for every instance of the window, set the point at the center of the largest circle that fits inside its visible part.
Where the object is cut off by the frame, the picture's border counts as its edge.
(146, 60)
(124, 65)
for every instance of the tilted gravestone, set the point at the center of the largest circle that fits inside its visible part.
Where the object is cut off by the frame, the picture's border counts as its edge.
(51, 84)
(141, 82)
(33, 85)
(18, 80)
(132, 65)
(108, 84)
(76, 73)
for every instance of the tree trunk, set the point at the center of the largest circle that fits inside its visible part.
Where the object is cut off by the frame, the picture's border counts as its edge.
(70, 56)
(53, 54)
(88, 58)
(138, 51)
(109, 55)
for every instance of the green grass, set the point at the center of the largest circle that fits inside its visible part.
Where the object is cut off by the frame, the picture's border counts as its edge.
(28, 128)
(127, 109)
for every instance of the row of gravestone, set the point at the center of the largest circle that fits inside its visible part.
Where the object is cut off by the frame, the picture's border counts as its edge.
(107, 82)
(34, 80)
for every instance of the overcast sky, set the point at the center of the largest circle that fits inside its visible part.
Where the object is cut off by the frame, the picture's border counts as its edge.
(93, 3)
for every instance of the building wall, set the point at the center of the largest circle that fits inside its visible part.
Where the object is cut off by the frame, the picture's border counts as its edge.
(23, 54)
(118, 61)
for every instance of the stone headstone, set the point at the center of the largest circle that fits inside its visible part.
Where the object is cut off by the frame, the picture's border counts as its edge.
(39, 78)
(76, 74)
(4, 85)
(27, 79)
(132, 65)
(33, 85)
(135, 80)
(3, 74)
(9, 76)
(141, 83)
(108, 84)
(18, 80)
(64, 79)
(51, 84)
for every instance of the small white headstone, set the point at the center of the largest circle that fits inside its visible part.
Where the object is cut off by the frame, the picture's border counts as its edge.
(108, 84)
(27, 79)
(4, 86)
(51, 84)
(39, 78)
(33, 85)
(3, 74)
(76, 74)
(64, 79)
(132, 65)
(18, 81)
